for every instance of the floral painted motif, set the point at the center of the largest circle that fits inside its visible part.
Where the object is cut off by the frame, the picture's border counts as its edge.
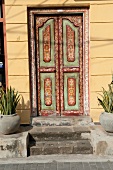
(70, 39)
(46, 44)
(71, 91)
(48, 92)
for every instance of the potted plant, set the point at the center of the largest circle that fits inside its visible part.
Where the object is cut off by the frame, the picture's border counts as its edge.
(106, 101)
(9, 120)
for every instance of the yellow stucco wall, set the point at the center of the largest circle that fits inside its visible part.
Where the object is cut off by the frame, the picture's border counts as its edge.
(101, 48)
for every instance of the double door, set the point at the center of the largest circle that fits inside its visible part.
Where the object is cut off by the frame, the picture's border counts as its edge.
(59, 55)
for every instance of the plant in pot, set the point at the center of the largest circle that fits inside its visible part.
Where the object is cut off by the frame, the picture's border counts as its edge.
(106, 101)
(9, 119)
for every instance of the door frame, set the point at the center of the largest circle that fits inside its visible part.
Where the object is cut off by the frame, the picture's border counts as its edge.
(32, 12)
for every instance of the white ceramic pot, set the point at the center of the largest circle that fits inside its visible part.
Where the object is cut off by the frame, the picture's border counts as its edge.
(106, 120)
(9, 123)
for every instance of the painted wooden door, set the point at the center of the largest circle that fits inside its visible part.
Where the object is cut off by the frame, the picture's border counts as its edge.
(59, 49)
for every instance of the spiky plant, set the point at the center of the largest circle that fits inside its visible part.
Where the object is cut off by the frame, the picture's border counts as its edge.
(106, 100)
(8, 101)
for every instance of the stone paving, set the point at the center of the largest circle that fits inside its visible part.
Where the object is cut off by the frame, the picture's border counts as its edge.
(58, 162)
(59, 166)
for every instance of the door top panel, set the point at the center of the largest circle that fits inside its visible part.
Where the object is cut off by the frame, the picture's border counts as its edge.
(70, 44)
(46, 39)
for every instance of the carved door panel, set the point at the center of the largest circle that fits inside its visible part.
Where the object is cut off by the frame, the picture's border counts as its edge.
(59, 65)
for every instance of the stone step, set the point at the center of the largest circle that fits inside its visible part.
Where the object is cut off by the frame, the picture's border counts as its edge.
(61, 147)
(61, 121)
(56, 133)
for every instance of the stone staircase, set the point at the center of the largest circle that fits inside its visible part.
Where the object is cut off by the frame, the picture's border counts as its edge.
(59, 136)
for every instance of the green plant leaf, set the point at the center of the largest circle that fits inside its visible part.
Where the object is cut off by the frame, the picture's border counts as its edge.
(9, 101)
(106, 100)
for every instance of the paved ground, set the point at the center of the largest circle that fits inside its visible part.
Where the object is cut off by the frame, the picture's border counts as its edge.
(58, 162)
(59, 166)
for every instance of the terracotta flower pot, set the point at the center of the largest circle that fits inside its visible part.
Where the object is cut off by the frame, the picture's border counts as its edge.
(106, 120)
(9, 123)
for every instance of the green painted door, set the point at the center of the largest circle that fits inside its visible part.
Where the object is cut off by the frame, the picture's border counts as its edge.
(59, 49)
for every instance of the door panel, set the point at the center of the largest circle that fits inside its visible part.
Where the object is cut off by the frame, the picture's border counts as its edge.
(46, 46)
(47, 65)
(71, 91)
(70, 44)
(48, 98)
(59, 64)
(71, 68)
